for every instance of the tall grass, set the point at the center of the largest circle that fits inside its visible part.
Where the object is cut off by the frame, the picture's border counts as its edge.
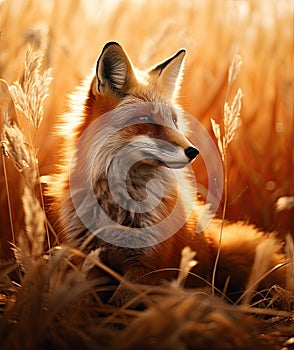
(51, 303)
(224, 135)
(261, 157)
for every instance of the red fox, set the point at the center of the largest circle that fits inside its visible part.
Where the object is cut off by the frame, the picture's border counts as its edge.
(129, 192)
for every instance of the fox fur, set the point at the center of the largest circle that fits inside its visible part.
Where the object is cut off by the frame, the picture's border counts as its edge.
(114, 95)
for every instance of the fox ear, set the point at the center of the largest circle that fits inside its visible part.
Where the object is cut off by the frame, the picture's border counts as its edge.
(114, 69)
(169, 73)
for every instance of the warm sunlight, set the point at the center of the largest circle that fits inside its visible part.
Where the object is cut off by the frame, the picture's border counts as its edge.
(90, 92)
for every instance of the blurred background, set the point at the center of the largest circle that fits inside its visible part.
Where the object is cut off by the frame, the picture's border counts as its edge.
(72, 33)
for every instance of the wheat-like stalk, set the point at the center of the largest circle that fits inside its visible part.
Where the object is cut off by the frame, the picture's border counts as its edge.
(230, 123)
(217, 134)
(231, 111)
(231, 115)
(28, 98)
(34, 218)
(186, 264)
(14, 147)
(8, 113)
(31, 240)
(30, 95)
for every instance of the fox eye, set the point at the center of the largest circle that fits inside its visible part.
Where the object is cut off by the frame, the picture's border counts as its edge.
(144, 118)
(175, 121)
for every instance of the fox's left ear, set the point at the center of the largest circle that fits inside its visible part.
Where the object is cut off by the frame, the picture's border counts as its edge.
(169, 73)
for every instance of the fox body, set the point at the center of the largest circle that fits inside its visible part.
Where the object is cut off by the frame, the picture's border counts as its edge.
(129, 191)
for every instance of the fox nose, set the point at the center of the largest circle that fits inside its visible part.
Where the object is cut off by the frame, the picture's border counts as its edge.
(191, 153)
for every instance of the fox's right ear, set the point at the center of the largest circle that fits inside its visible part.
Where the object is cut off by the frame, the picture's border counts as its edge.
(169, 73)
(114, 70)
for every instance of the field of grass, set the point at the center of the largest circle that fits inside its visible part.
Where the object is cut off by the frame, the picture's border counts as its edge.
(72, 34)
(260, 162)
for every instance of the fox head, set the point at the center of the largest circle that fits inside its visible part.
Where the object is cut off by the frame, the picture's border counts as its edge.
(140, 105)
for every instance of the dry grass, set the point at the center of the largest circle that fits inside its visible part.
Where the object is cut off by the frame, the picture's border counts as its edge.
(42, 293)
(224, 135)
(213, 31)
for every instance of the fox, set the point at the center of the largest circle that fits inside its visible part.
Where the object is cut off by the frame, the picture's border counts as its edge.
(124, 187)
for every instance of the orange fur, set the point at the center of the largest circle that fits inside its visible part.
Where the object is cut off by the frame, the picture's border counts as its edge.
(117, 87)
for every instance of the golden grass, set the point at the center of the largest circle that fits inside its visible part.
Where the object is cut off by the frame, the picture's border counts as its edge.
(261, 158)
(224, 135)
(42, 293)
